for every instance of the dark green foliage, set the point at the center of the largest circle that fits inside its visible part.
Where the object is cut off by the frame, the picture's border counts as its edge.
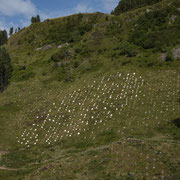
(35, 19)
(3, 37)
(124, 49)
(22, 75)
(125, 5)
(5, 68)
(11, 31)
(63, 54)
(70, 30)
(177, 122)
(151, 29)
(169, 57)
(128, 49)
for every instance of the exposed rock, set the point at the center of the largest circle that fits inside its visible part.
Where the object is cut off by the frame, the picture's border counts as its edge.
(172, 19)
(38, 49)
(47, 47)
(105, 148)
(44, 48)
(163, 56)
(63, 45)
(60, 46)
(62, 63)
(176, 53)
(149, 10)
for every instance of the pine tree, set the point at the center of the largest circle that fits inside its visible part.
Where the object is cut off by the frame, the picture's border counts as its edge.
(3, 37)
(32, 20)
(11, 31)
(5, 68)
(38, 18)
(35, 19)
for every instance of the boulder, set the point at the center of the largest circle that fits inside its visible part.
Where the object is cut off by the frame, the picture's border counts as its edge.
(176, 53)
(60, 46)
(44, 48)
(163, 56)
(149, 10)
(63, 45)
(172, 19)
(38, 49)
(47, 47)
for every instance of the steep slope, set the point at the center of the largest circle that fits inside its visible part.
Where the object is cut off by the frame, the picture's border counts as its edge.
(126, 5)
(89, 99)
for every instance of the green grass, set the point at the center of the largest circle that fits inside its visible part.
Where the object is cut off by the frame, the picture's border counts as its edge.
(127, 146)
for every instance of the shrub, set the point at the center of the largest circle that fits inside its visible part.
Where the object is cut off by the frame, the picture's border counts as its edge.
(126, 5)
(169, 57)
(76, 64)
(128, 49)
(151, 29)
(5, 68)
(63, 53)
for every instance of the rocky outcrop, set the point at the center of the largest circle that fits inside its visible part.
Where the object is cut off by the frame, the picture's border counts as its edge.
(63, 45)
(163, 56)
(176, 53)
(44, 48)
(172, 19)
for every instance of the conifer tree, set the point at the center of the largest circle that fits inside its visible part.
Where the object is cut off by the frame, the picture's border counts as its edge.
(38, 18)
(11, 31)
(35, 19)
(3, 37)
(5, 68)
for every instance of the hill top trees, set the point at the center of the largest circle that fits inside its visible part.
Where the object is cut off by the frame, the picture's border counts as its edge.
(5, 68)
(3, 37)
(35, 19)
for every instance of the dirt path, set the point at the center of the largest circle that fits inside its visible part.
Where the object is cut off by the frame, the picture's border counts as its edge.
(9, 169)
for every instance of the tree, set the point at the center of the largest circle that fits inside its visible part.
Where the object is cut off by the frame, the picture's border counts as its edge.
(3, 37)
(11, 31)
(5, 68)
(32, 20)
(19, 29)
(35, 19)
(38, 18)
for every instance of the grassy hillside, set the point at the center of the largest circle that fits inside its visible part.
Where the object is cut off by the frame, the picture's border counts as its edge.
(126, 5)
(91, 98)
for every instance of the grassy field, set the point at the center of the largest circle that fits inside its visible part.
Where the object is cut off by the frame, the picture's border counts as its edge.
(100, 107)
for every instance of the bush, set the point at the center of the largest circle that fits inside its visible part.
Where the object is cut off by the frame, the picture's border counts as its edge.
(5, 68)
(76, 64)
(151, 30)
(22, 75)
(63, 53)
(169, 57)
(128, 49)
(126, 5)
